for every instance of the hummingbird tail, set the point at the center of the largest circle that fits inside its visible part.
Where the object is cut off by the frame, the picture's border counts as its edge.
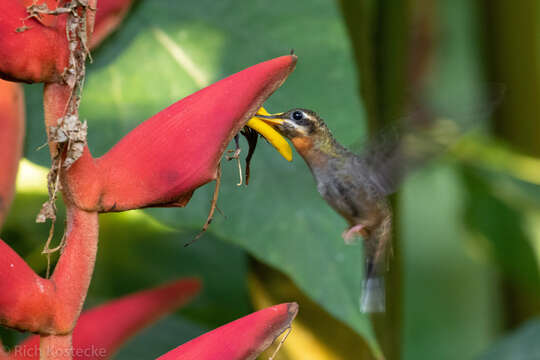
(373, 295)
(378, 247)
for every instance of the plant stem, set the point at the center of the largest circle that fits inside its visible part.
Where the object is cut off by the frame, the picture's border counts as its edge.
(514, 60)
(55, 347)
(391, 59)
(74, 269)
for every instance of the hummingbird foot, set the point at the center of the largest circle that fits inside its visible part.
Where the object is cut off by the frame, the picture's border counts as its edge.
(350, 234)
(235, 154)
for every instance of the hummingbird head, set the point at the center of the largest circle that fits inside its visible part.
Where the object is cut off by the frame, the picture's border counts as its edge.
(309, 134)
(306, 130)
(296, 123)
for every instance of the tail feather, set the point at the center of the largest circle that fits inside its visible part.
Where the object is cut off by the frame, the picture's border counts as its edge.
(377, 249)
(373, 295)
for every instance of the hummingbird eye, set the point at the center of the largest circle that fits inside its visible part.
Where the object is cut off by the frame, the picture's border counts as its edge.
(297, 115)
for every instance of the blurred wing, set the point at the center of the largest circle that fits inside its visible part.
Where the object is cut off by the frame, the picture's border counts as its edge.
(400, 149)
(416, 139)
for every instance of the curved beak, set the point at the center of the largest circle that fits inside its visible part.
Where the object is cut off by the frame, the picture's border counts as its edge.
(264, 122)
(273, 119)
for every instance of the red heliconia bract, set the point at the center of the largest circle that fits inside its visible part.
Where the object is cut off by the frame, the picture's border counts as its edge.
(31, 51)
(243, 339)
(163, 160)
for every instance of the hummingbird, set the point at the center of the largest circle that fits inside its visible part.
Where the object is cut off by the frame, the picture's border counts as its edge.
(355, 185)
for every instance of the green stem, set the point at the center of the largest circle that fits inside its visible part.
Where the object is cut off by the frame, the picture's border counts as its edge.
(379, 35)
(513, 59)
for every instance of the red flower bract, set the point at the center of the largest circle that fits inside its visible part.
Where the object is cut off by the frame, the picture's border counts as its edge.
(30, 51)
(163, 160)
(243, 339)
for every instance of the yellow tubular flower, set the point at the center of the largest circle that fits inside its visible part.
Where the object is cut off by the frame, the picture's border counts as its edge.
(270, 134)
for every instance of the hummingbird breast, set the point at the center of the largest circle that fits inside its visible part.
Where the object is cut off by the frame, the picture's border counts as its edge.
(344, 188)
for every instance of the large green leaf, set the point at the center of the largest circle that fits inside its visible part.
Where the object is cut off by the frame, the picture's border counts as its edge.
(136, 252)
(280, 218)
(160, 338)
(522, 344)
(503, 225)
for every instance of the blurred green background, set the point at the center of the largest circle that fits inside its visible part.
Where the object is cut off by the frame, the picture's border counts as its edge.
(464, 280)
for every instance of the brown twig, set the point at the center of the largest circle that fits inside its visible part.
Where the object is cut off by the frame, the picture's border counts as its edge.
(67, 136)
(213, 207)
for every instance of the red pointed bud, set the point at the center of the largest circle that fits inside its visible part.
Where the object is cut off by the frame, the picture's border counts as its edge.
(163, 160)
(244, 338)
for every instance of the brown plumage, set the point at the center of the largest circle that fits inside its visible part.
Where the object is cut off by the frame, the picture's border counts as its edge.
(355, 185)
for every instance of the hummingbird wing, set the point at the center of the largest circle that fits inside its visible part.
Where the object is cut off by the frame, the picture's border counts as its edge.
(416, 139)
(393, 153)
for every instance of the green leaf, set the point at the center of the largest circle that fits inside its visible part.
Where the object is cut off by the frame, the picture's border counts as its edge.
(280, 218)
(136, 252)
(503, 225)
(160, 338)
(522, 344)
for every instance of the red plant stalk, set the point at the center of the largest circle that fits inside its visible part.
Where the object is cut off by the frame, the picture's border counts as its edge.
(57, 347)
(117, 321)
(11, 141)
(242, 339)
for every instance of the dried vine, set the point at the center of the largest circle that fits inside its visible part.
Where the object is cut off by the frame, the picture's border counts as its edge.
(68, 136)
